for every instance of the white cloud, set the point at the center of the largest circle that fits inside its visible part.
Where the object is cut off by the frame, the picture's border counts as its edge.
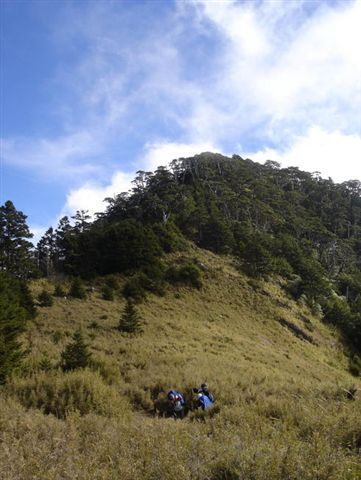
(333, 154)
(91, 196)
(61, 157)
(279, 72)
(283, 68)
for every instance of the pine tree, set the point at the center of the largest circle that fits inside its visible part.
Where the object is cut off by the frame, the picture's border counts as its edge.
(12, 323)
(76, 354)
(47, 252)
(15, 250)
(77, 289)
(130, 321)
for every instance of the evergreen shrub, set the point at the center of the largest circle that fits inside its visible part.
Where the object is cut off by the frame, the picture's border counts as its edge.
(12, 323)
(130, 321)
(186, 274)
(45, 299)
(77, 289)
(107, 293)
(136, 286)
(76, 354)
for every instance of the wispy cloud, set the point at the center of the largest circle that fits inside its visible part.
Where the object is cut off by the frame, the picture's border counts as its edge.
(266, 78)
(285, 72)
(331, 153)
(63, 156)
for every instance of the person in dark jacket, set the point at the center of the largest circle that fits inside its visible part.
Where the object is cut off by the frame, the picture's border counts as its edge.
(176, 403)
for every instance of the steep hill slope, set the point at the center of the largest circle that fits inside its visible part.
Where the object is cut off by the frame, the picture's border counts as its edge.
(286, 404)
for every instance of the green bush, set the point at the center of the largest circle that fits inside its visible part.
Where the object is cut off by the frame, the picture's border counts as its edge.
(77, 289)
(337, 311)
(58, 393)
(107, 293)
(45, 299)
(136, 287)
(59, 291)
(186, 274)
(112, 282)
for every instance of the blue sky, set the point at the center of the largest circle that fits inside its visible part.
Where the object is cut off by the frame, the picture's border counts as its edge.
(92, 91)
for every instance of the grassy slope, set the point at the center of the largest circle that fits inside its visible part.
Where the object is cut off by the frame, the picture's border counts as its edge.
(283, 414)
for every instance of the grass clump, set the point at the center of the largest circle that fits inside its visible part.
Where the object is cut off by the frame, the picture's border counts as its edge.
(58, 394)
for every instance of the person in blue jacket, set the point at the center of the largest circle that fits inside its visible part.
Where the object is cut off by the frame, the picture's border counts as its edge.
(206, 392)
(203, 401)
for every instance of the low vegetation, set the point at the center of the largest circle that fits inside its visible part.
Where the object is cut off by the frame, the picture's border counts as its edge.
(217, 270)
(286, 408)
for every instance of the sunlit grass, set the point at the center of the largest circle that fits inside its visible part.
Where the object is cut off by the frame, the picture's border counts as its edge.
(282, 409)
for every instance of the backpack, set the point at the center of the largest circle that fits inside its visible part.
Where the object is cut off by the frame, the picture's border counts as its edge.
(176, 397)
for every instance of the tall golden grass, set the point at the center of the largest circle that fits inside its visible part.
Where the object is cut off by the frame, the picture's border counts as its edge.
(286, 407)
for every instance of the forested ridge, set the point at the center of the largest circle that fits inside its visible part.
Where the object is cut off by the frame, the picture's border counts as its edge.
(275, 221)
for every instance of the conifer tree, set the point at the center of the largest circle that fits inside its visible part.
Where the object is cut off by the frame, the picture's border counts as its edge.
(47, 252)
(130, 321)
(76, 354)
(15, 250)
(12, 323)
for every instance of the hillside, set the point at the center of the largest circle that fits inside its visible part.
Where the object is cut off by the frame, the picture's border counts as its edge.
(274, 221)
(286, 404)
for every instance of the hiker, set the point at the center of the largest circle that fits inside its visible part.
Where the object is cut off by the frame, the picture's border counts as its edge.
(177, 403)
(206, 392)
(203, 400)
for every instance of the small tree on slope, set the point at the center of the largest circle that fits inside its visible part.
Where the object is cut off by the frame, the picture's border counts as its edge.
(76, 353)
(130, 321)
